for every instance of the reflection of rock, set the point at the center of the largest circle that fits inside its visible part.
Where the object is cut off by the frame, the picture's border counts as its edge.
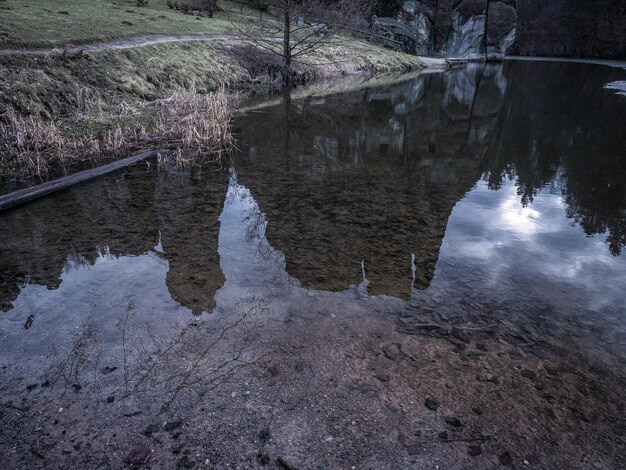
(125, 215)
(374, 183)
(188, 216)
(40, 238)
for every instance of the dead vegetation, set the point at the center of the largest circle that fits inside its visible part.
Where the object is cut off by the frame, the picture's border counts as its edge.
(194, 6)
(196, 126)
(263, 67)
(197, 123)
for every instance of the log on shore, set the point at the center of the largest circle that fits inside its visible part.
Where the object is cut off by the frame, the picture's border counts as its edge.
(17, 198)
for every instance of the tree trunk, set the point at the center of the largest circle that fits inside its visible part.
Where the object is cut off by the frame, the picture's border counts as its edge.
(433, 46)
(485, 39)
(287, 45)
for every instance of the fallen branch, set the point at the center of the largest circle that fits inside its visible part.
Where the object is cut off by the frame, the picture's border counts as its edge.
(17, 198)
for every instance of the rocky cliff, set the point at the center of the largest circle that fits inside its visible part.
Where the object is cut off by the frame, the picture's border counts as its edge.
(493, 28)
(466, 28)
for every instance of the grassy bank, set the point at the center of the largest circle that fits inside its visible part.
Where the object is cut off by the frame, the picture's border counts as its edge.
(49, 23)
(50, 85)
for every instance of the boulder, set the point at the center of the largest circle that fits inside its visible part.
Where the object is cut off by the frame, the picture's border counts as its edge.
(446, 27)
(501, 29)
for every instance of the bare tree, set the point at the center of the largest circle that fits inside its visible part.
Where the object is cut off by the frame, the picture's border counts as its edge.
(295, 29)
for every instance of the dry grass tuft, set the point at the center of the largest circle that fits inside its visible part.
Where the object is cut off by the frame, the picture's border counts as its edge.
(197, 126)
(89, 105)
(29, 145)
(197, 123)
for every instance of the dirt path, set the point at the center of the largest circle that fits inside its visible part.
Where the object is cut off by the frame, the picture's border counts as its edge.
(131, 43)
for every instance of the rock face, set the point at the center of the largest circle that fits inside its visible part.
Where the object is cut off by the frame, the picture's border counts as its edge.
(501, 29)
(492, 28)
(465, 28)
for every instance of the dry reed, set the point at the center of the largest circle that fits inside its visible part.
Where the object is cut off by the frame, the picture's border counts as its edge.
(197, 126)
(28, 145)
(196, 123)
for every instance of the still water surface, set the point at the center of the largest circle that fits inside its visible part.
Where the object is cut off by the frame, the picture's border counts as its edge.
(488, 199)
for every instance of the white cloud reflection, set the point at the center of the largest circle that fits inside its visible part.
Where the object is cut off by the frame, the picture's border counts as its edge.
(491, 233)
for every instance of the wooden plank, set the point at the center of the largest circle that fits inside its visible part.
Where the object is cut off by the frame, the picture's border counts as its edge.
(17, 198)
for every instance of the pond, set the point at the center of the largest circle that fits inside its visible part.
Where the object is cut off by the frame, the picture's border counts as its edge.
(420, 272)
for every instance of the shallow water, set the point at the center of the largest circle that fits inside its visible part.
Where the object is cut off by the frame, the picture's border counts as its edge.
(478, 206)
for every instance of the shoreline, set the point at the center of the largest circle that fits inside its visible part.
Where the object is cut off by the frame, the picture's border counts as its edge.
(617, 63)
(112, 90)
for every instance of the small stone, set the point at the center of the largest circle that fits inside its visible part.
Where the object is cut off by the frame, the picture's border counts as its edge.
(265, 435)
(110, 399)
(391, 351)
(474, 450)
(477, 410)
(413, 449)
(506, 459)
(179, 448)
(529, 374)
(384, 378)
(262, 458)
(443, 435)
(138, 456)
(29, 322)
(151, 429)
(77, 387)
(486, 377)
(431, 404)
(169, 427)
(185, 462)
(453, 422)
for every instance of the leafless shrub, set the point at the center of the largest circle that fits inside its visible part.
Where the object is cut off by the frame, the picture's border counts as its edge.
(187, 6)
(201, 123)
(259, 63)
(74, 366)
(142, 3)
(340, 13)
(200, 356)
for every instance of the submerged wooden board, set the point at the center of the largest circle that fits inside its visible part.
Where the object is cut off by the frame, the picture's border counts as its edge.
(17, 198)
